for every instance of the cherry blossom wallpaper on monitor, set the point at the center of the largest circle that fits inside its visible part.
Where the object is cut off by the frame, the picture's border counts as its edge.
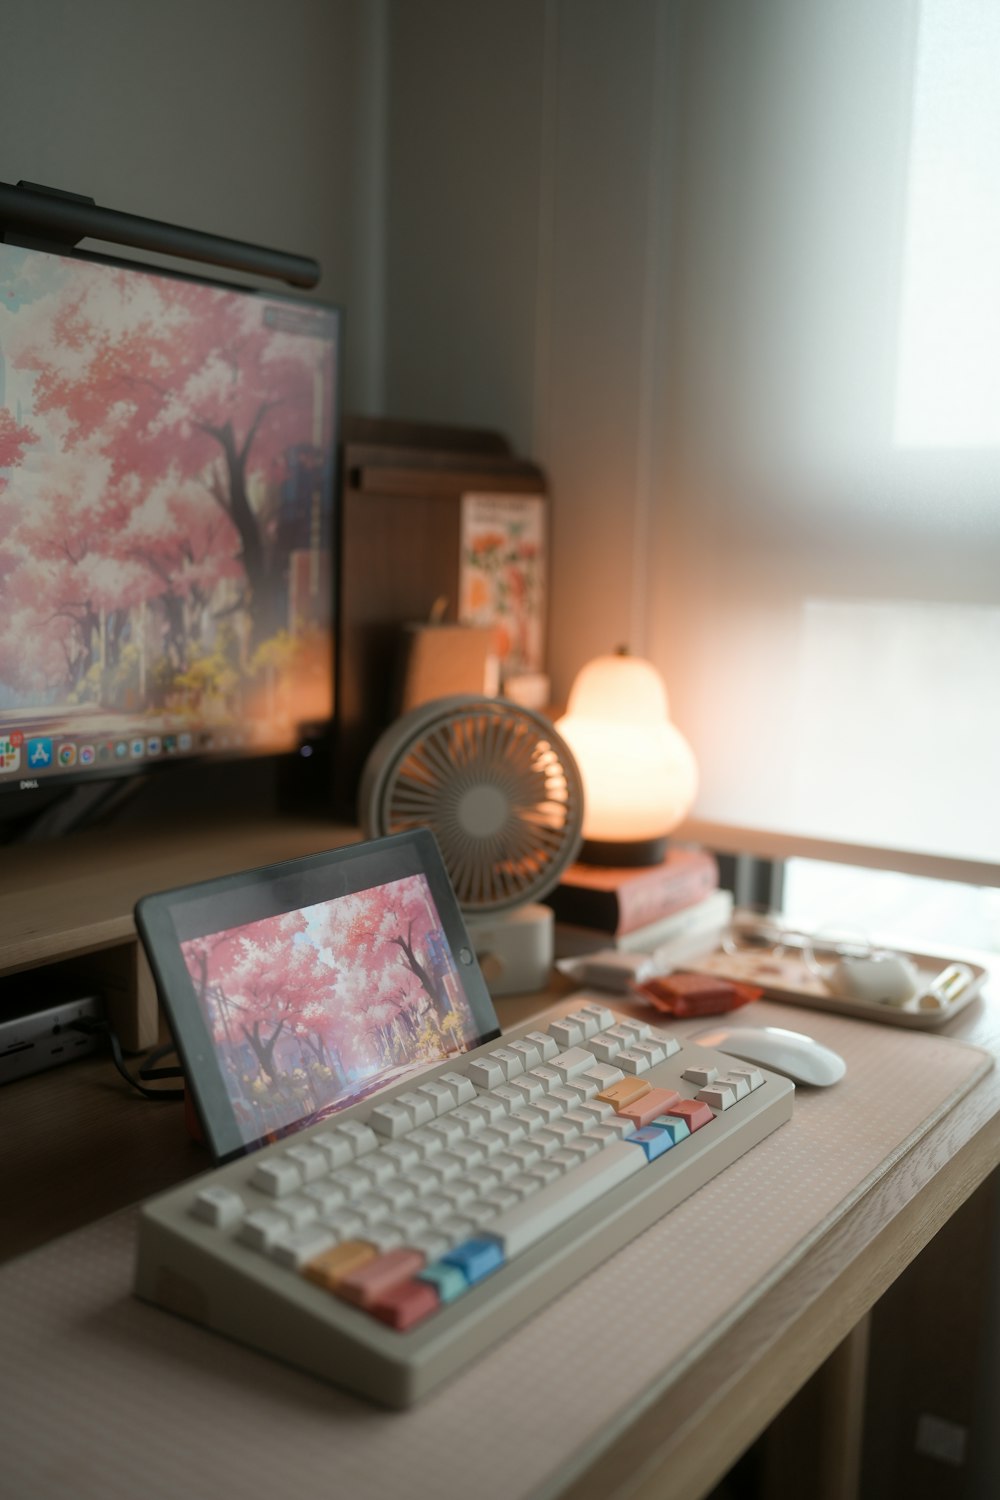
(166, 456)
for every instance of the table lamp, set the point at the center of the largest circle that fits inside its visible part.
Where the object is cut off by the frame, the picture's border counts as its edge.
(639, 772)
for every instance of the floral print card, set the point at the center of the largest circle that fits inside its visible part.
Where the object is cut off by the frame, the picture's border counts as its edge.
(503, 575)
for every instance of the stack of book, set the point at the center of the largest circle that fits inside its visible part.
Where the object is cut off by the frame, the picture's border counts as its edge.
(640, 909)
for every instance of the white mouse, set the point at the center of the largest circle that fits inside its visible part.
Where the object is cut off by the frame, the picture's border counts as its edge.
(787, 1052)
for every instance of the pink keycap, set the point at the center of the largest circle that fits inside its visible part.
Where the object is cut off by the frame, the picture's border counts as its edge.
(374, 1280)
(645, 1110)
(407, 1303)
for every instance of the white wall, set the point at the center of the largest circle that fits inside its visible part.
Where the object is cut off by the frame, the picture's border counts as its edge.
(238, 117)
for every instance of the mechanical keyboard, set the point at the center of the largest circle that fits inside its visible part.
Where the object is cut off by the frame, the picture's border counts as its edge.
(388, 1245)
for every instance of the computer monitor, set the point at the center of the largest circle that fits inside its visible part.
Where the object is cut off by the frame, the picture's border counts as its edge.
(167, 487)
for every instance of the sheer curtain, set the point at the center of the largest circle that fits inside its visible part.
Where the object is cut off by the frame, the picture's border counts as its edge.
(824, 567)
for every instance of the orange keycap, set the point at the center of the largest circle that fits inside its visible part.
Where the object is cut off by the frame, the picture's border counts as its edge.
(330, 1268)
(372, 1281)
(694, 1111)
(626, 1091)
(645, 1110)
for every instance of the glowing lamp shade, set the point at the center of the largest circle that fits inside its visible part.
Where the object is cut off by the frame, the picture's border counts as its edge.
(639, 772)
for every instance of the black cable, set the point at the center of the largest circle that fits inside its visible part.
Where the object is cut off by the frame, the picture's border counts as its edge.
(92, 1026)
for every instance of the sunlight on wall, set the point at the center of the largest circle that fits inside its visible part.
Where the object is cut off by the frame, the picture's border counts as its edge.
(948, 391)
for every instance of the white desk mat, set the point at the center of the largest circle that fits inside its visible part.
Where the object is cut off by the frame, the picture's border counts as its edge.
(102, 1396)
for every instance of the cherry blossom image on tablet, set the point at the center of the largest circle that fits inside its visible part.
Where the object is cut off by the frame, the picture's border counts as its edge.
(312, 1009)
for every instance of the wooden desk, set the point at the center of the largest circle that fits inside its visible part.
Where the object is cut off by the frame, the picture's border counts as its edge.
(682, 1441)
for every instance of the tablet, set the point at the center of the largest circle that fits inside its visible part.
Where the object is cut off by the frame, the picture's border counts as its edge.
(299, 988)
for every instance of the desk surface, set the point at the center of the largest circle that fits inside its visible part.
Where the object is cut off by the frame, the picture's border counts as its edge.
(679, 1440)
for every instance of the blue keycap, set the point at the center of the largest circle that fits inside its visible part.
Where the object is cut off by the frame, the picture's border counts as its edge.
(678, 1130)
(475, 1258)
(449, 1281)
(654, 1142)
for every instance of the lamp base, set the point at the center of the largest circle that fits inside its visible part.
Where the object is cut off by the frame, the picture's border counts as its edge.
(623, 852)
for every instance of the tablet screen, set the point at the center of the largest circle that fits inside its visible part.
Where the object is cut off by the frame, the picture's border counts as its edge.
(296, 990)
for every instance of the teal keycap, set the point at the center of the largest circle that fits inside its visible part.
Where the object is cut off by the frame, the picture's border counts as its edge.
(676, 1129)
(448, 1280)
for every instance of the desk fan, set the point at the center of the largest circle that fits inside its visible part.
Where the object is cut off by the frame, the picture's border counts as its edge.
(501, 792)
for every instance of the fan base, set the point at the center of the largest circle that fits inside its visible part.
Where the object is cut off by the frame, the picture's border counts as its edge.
(515, 948)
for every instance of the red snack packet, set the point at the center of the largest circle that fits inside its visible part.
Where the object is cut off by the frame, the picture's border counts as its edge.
(696, 994)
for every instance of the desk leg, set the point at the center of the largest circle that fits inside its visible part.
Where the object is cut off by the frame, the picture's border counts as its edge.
(814, 1446)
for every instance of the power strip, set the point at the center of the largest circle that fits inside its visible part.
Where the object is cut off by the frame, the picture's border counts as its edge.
(33, 1038)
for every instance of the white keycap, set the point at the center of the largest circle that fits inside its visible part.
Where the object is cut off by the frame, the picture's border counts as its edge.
(344, 1224)
(362, 1137)
(525, 1153)
(463, 1087)
(631, 1060)
(403, 1153)
(297, 1210)
(718, 1095)
(565, 1129)
(509, 1060)
(449, 1129)
(582, 1087)
(650, 1051)
(524, 1185)
(604, 1135)
(410, 1223)
(335, 1147)
(354, 1183)
(431, 1246)
(584, 1146)
(372, 1208)
(530, 1117)
(623, 1034)
(327, 1195)
(566, 1097)
(603, 1074)
(638, 1029)
(528, 1052)
(600, 1013)
(596, 1110)
(437, 1207)
(259, 1228)
(492, 1142)
(528, 1087)
(737, 1081)
(276, 1176)
(671, 1046)
(510, 1129)
(311, 1162)
(510, 1092)
(440, 1096)
(445, 1166)
(391, 1119)
(490, 1107)
(546, 1046)
(753, 1076)
(219, 1206)
(486, 1072)
(587, 1019)
(378, 1167)
(471, 1120)
(574, 1060)
(545, 1173)
(506, 1166)
(421, 1180)
(420, 1106)
(400, 1192)
(458, 1193)
(547, 1141)
(523, 1226)
(385, 1237)
(456, 1230)
(469, 1152)
(427, 1142)
(483, 1180)
(501, 1199)
(701, 1077)
(606, 1047)
(296, 1246)
(547, 1073)
(567, 1032)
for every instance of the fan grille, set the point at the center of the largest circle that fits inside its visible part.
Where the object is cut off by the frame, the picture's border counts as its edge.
(501, 792)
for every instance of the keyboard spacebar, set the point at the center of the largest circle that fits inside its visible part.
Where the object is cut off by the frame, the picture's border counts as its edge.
(521, 1227)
